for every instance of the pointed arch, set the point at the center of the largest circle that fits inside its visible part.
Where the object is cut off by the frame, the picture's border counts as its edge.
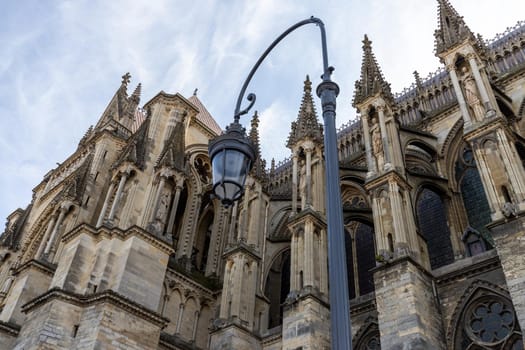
(360, 246)
(484, 316)
(433, 225)
(368, 337)
(277, 286)
(201, 245)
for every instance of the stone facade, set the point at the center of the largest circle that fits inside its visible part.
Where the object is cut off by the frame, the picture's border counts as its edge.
(123, 245)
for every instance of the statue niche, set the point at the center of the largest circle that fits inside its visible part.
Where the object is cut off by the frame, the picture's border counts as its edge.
(471, 94)
(377, 143)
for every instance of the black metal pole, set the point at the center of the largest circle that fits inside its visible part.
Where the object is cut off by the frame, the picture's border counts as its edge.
(341, 333)
(339, 299)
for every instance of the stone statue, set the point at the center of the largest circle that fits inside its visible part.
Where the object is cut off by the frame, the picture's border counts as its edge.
(163, 206)
(471, 94)
(302, 184)
(377, 147)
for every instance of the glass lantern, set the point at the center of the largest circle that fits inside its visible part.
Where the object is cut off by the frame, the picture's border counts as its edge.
(232, 155)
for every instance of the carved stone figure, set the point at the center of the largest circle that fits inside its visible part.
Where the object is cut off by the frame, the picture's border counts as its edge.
(471, 94)
(377, 146)
(302, 184)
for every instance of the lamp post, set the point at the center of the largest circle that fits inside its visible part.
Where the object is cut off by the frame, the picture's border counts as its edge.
(232, 155)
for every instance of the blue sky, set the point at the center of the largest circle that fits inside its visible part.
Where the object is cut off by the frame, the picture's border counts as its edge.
(61, 62)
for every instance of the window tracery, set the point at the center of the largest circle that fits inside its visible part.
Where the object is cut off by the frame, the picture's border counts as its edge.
(489, 322)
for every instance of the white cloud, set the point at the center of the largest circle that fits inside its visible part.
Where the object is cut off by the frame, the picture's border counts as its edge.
(61, 63)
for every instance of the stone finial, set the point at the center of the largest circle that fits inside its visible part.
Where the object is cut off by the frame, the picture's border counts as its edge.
(452, 29)
(254, 132)
(135, 96)
(371, 81)
(419, 82)
(126, 78)
(307, 124)
(259, 164)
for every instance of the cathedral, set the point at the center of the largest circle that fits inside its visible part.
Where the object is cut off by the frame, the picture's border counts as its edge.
(124, 246)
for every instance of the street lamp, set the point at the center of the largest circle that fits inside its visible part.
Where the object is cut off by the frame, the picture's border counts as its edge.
(232, 155)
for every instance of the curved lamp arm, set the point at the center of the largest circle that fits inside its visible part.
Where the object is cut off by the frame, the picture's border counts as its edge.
(327, 71)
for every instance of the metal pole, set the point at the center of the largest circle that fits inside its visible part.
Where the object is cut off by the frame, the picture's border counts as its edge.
(327, 91)
(339, 300)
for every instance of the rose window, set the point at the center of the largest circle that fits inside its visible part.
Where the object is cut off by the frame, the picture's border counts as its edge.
(490, 322)
(373, 344)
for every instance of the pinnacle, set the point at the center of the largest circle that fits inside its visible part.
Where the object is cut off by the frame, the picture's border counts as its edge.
(126, 79)
(419, 83)
(367, 44)
(306, 125)
(136, 94)
(254, 133)
(371, 81)
(260, 164)
(255, 120)
(307, 85)
(452, 29)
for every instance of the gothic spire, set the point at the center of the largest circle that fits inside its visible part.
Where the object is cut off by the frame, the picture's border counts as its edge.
(172, 155)
(259, 164)
(121, 108)
(135, 150)
(372, 81)
(135, 96)
(452, 29)
(254, 133)
(306, 125)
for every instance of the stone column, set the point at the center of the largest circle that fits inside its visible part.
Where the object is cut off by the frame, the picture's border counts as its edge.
(512, 163)
(123, 178)
(160, 187)
(384, 136)
(370, 160)
(179, 319)
(233, 220)
(486, 180)
(308, 255)
(479, 82)
(294, 285)
(459, 95)
(245, 213)
(195, 323)
(45, 239)
(50, 247)
(396, 207)
(308, 178)
(323, 263)
(294, 183)
(106, 202)
(173, 212)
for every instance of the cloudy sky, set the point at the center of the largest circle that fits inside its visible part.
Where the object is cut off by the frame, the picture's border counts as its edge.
(61, 62)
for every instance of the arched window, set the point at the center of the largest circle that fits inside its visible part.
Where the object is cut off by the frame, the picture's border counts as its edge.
(473, 194)
(360, 258)
(488, 321)
(179, 215)
(277, 288)
(369, 339)
(432, 220)
(201, 246)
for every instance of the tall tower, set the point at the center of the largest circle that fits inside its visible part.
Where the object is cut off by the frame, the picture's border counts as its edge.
(404, 277)
(306, 313)
(241, 299)
(493, 137)
(83, 265)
